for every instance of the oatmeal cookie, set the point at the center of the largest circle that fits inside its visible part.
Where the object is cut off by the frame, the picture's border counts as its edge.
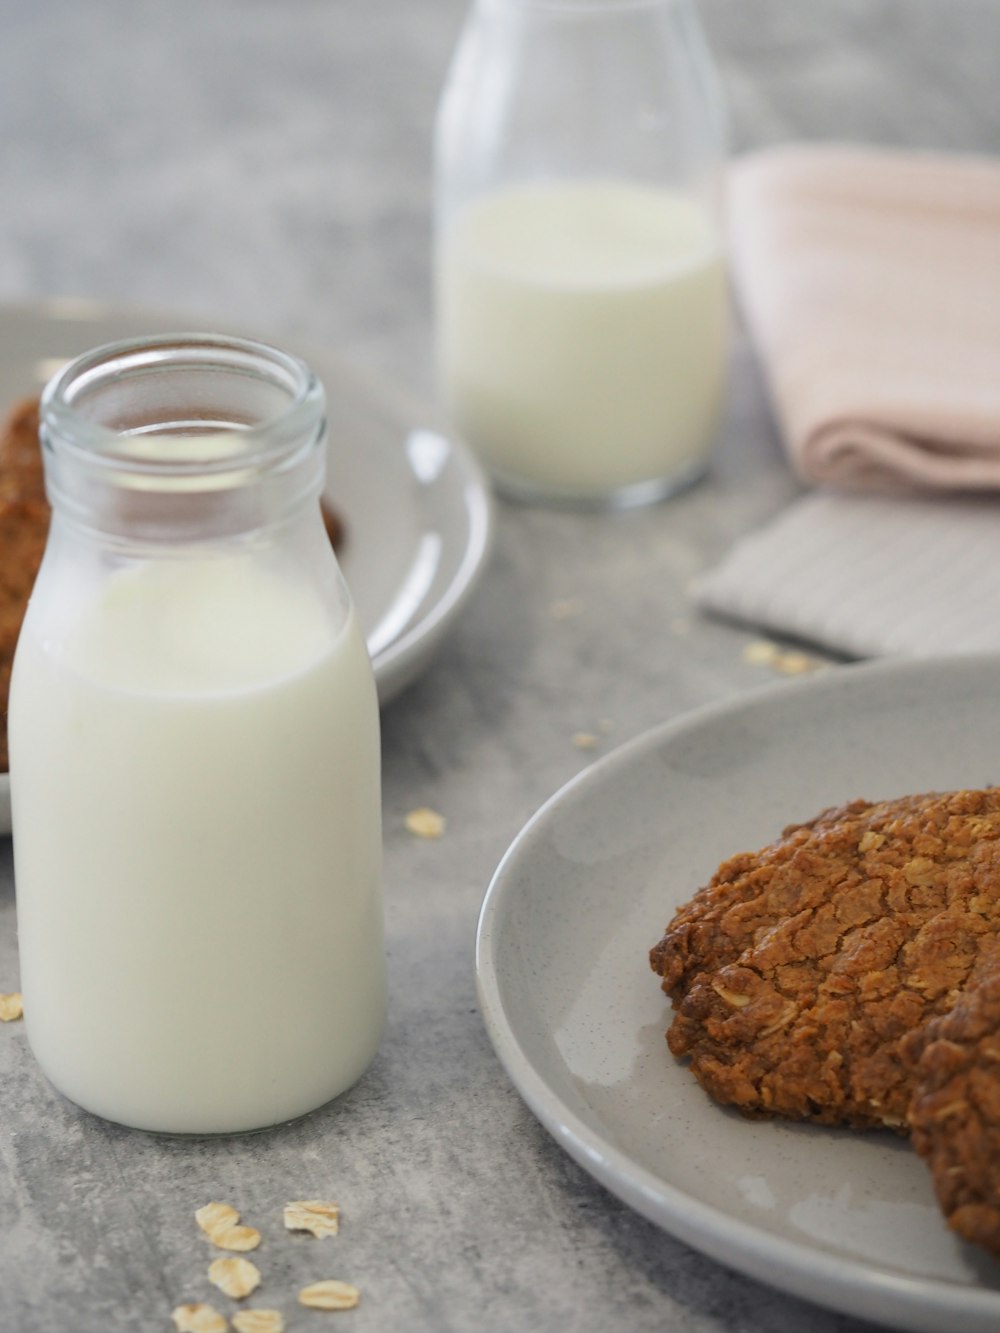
(333, 523)
(21, 473)
(24, 525)
(955, 1111)
(799, 970)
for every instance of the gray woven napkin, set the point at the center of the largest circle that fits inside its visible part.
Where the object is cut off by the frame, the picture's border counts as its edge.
(868, 576)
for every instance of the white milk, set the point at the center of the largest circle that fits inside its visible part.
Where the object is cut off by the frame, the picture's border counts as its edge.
(201, 938)
(582, 332)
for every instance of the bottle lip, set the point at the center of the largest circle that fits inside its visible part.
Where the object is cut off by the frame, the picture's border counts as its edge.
(211, 449)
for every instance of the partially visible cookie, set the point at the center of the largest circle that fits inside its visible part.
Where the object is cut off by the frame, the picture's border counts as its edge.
(21, 473)
(799, 970)
(955, 1111)
(24, 525)
(333, 523)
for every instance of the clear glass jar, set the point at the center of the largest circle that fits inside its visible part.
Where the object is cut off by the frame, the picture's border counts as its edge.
(194, 750)
(580, 292)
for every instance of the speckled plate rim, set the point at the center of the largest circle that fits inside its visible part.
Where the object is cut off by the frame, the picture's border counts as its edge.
(864, 1289)
(457, 499)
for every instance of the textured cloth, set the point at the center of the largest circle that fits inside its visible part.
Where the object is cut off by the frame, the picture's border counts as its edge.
(869, 575)
(870, 281)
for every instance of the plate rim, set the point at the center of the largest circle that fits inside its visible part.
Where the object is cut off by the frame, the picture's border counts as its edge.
(426, 632)
(852, 1286)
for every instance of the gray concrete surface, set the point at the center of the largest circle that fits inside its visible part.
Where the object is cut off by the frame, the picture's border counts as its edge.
(267, 164)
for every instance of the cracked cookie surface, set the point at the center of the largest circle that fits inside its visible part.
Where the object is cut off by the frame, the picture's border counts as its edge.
(799, 970)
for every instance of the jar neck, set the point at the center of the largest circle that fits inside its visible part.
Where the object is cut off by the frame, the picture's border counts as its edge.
(184, 437)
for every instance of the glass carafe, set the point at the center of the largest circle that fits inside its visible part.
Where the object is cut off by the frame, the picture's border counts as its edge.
(194, 750)
(580, 291)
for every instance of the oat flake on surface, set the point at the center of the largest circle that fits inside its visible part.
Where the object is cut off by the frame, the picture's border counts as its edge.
(219, 1223)
(259, 1321)
(313, 1215)
(11, 1007)
(425, 823)
(240, 1239)
(236, 1277)
(795, 664)
(216, 1215)
(760, 652)
(198, 1318)
(330, 1295)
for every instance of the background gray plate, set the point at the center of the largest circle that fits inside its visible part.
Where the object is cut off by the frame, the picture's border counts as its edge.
(414, 501)
(577, 1017)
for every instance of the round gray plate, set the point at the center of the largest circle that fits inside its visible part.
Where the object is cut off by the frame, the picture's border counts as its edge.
(414, 501)
(578, 1019)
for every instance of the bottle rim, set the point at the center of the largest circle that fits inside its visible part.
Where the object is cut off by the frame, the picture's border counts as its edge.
(214, 448)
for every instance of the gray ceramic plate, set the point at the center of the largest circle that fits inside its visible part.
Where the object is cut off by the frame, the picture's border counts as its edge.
(576, 1016)
(414, 501)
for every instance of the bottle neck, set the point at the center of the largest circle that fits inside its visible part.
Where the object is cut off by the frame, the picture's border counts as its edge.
(182, 438)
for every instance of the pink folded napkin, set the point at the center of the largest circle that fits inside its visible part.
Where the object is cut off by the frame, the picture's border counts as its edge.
(870, 281)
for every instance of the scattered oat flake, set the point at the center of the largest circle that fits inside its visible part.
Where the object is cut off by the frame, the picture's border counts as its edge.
(198, 1319)
(425, 823)
(236, 1277)
(330, 1295)
(215, 1216)
(565, 608)
(218, 1221)
(794, 664)
(240, 1239)
(11, 1007)
(761, 652)
(585, 740)
(259, 1321)
(322, 1219)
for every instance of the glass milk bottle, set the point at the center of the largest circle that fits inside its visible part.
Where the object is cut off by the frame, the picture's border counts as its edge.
(581, 302)
(194, 750)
